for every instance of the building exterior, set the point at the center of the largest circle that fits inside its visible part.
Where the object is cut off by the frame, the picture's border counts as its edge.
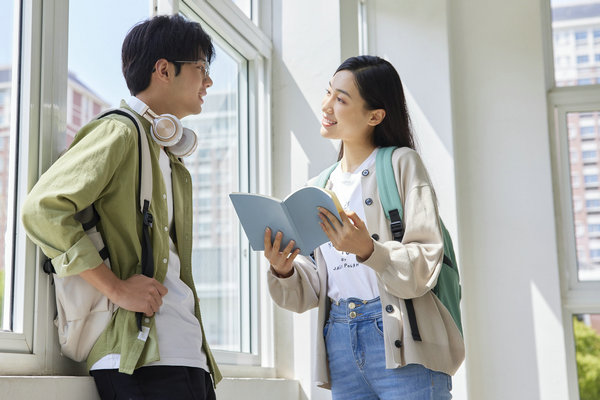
(82, 105)
(576, 37)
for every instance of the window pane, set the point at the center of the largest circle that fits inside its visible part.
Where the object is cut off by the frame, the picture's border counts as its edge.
(245, 6)
(576, 34)
(586, 328)
(7, 33)
(215, 170)
(583, 152)
(95, 79)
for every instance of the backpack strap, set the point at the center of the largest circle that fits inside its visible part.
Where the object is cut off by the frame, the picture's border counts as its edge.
(145, 193)
(324, 175)
(388, 191)
(392, 206)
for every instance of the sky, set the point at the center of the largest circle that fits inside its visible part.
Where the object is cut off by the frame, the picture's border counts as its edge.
(6, 28)
(96, 34)
(95, 38)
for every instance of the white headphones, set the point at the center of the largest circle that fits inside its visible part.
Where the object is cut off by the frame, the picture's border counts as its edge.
(166, 129)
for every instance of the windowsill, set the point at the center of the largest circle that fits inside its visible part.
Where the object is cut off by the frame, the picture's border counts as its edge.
(83, 388)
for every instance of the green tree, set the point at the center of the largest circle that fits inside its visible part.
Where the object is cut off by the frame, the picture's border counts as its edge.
(587, 346)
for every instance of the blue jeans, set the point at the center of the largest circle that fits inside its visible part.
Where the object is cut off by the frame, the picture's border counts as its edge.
(356, 356)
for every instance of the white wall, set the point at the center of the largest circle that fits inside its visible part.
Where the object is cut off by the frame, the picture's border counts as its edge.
(515, 346)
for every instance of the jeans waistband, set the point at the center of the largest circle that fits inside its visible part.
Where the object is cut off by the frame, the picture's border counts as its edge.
(353, 309)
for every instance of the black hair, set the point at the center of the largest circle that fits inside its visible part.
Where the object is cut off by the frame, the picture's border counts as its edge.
(380, 86)
(171, 37)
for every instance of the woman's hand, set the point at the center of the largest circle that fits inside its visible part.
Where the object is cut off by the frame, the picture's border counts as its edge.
(281, 261)
(350, 236)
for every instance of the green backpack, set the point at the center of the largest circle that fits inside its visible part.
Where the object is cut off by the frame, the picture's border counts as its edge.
(447, 288)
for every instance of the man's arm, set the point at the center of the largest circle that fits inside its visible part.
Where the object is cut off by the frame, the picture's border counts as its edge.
(138, 293)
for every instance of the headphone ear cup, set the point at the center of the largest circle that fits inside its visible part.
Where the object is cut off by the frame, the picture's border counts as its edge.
(167, 129)
(187, 145)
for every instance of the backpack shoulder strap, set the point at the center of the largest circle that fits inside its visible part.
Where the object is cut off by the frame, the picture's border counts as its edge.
(145, 178)
(392, 206)
(145, 194)
(324, 175)
(388, 191)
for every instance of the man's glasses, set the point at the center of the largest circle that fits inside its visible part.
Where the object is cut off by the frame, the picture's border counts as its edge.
(204, 67)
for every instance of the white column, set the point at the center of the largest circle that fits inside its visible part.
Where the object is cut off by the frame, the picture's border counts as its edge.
(515, 345)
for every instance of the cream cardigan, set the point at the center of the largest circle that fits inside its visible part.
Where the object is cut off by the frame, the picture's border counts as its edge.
(407, 270)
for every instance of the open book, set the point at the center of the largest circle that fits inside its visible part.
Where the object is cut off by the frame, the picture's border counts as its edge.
(297, 217)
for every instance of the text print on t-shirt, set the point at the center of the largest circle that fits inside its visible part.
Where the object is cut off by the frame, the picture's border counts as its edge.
(347, 260)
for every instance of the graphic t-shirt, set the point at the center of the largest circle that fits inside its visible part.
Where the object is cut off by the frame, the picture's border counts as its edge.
(346, 277)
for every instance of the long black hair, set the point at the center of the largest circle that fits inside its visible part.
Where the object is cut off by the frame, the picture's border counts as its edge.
(379, 85)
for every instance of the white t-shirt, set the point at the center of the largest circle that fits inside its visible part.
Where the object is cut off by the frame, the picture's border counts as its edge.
(346, 277)
(177, 328)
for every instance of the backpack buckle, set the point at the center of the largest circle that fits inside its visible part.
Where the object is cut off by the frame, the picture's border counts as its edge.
(396, 225)
(48, 267)
(148, 219)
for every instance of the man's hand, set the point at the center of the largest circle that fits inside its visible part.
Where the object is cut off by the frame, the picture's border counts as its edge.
(138, 293)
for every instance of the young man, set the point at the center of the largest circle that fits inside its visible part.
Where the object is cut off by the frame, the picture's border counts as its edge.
(165, 63)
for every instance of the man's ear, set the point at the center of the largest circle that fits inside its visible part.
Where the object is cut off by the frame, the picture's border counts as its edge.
(376, 117)
(161, 69)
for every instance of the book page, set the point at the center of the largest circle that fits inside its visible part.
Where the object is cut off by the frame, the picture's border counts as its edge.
(302, 208)
(257, 212)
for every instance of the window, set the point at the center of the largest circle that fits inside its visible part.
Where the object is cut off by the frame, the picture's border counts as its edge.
(592, 203)
(573, 19)
(581, 36)
(78, 87)
(224, 268)
(583, 59)
(589, 155)
(8, 92)
(578, 108)
(587, 132)
(95, 80)
(594, 228)
(217, 240)
(245, 6)
(595, 253)
(590, 179)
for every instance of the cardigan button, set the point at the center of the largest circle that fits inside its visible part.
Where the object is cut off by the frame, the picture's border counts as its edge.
(365, 172)
(375, 236)
(369, 201)
(398, 343)
(389, 308)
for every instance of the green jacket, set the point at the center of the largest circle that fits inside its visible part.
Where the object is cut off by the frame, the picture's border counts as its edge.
(101, 167)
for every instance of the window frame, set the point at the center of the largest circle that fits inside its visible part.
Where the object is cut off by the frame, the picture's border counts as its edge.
(578, 297)
(227, 21)
(43, 49)
(33, 349)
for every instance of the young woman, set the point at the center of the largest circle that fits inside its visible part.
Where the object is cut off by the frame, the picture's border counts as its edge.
(365, 349)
